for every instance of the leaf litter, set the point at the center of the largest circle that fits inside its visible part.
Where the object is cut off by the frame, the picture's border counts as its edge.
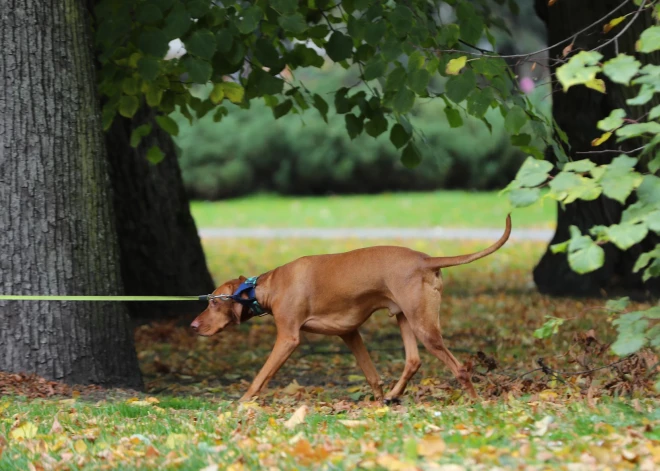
(560, 403)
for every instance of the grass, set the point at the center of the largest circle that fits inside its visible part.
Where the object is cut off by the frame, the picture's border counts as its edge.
(505, 434)
(443, 208)
(189, 419)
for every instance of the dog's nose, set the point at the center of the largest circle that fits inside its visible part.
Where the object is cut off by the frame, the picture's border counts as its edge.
(195, 325)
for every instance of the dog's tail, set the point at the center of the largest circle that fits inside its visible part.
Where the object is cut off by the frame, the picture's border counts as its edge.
(442, 262)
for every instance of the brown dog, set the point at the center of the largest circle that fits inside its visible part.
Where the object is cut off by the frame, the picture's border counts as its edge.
(335, 294)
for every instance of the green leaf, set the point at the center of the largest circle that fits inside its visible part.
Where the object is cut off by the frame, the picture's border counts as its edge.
(153, 95)
(638, 129)
(375, 68)
(263, 83)
(399, 136)
(282, 109)
(168, 125)
(613, 121)
(411, 157)
(625, 236)
(459, 87)
(580, 69)
(153, 43)
(415, 61)
(515, 119)
(138, 133)
(198, 69)
(568, 187)
(618, 184)
(201, 43)
(401, 19)
(579, 166)
(449, 35)
(177, 23)
(418, 81)
(470, 22)
(403, 101)
(622, 68)
(396, 79)
(250, 18)
(339, 47)
(130, 86)
(453, 117)
(322, 106)
(375, 32)
(550, 328)
(217, 94)
(649, 190)
(148, 68)
(587, 258)
(284, 7)
(521, 197)
(646, 93)
(479, 101)
(155, 155)
(376, 126)
(224, 40)
(128, 106)
(628, 342)
(295, 23)
(233, 91)
(522, 140)
(148, 13)
(649, 41)
(617, 305)
(533, 172)
(354, 125)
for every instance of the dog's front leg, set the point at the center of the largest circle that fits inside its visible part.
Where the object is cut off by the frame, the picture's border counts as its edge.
(284, 347)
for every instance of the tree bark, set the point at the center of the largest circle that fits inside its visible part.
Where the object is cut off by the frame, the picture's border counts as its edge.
(160, 250)
(577, 112)
(57, 227)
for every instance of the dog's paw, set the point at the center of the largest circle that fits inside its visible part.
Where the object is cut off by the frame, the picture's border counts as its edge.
(395, 401)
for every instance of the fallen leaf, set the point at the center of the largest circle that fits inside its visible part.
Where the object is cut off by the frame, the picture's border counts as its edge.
(431, 447)
(353, 423)
(57, 427)
(541, 426)
(174, 439)
(297, 418)
(293, 388)
(80, 446)
(26, 431)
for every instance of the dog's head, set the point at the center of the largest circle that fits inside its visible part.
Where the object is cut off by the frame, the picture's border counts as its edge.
(220, 313)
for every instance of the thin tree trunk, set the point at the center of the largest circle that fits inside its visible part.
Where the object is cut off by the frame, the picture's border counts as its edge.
(161, 253)
(57, 232)
(577, 113)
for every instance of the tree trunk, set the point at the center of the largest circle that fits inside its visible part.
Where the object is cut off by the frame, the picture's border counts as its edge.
(161, 253)
(577, 112)
(57, 227)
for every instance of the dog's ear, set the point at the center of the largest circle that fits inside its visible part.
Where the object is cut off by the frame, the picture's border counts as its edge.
(241, 278)
(237, 311)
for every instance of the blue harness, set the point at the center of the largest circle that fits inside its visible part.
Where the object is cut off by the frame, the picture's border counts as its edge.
(247, 287)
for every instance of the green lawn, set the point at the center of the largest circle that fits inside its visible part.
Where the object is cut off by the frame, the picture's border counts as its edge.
(217, 435)
(442, 208)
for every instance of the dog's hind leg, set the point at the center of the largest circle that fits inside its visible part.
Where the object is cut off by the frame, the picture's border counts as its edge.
(412, 358)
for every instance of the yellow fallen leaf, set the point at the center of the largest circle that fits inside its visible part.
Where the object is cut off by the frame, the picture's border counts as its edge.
(381, 410)
(141, 403)
(353, 423)
(26, 431)
(548, 395)
(431, 447)
(355, 378)
(292, 388)
(152, 400)
(132, 399)
(173, 439)
(251, 405)
(455, 66)
(80, 446)
(297, 418)
(392, 463)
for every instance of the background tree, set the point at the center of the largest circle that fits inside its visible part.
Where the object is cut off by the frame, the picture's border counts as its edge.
(577, 112)
(57, 231)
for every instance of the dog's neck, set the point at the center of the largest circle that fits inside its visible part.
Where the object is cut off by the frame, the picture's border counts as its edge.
(262, 293)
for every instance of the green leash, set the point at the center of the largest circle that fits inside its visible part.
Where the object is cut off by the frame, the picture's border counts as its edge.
(103, 298)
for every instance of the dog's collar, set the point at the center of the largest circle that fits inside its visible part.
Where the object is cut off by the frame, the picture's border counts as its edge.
(249, 287)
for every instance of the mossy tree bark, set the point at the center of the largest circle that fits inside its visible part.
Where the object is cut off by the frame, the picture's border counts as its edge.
(57, 227)
(577, 112)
